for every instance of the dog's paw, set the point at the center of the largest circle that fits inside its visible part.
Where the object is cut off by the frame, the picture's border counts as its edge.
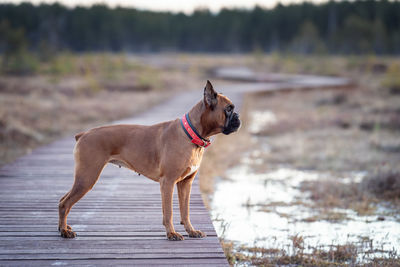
(196, 234)
(68, 228)
(67, 233)
(174, 236)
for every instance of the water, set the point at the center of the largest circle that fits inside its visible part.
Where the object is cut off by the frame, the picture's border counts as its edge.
(266, 209)
(237, 219)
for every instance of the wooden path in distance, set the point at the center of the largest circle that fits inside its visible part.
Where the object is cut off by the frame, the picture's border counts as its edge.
(119, 222)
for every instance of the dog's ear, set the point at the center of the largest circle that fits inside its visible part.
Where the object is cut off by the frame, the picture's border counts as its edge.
(210, 96)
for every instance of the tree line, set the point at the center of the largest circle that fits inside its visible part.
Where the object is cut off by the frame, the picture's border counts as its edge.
(345, 27)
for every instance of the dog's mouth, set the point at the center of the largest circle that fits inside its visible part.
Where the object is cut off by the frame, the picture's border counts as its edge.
(232, 125)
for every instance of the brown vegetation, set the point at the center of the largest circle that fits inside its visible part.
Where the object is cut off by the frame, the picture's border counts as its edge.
(71, 93)
(303, 254)
(383, 184)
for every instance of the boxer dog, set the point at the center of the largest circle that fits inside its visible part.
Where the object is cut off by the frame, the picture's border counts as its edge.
(169, 153)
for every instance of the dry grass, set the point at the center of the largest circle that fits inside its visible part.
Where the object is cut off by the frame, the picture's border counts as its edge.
(391, 80)
(360, 197)
(385, 185)
(32, 120)
(302, 254)
(71, 93)
(329, 134)
(328, 195)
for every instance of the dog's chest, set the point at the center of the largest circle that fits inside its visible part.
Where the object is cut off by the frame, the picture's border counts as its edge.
(193, 168)
(193, 163)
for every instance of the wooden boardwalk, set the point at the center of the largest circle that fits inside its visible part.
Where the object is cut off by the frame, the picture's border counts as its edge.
(119, 222)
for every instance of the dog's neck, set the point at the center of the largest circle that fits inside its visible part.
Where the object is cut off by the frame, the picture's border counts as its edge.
(195, 115)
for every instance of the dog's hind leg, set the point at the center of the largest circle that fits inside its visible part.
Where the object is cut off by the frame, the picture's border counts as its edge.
(85, 178)
(66, 194)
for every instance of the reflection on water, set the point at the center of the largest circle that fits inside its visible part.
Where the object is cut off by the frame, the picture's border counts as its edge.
(265, 209)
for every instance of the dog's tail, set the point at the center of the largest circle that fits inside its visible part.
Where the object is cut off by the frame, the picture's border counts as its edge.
(79, 135)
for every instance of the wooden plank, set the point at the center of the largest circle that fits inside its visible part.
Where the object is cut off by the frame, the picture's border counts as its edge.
(119, 262)
(86, 233)
(127, 255)
(109, 228)
(107, 249)
(87, 242)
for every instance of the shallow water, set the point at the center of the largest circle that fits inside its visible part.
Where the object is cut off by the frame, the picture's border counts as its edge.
(266, 209)
(236, 219)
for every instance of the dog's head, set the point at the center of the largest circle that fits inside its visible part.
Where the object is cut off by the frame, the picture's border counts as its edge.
(219, 115)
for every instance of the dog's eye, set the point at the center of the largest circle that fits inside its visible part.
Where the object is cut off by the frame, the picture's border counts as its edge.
(229, 108)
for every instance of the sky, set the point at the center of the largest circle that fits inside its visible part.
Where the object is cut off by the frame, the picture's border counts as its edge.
(186, 6)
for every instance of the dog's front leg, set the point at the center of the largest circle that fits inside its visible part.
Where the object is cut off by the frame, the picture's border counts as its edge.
(184, 188)
(167, 190)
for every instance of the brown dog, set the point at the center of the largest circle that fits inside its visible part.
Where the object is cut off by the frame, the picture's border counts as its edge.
(169, 153)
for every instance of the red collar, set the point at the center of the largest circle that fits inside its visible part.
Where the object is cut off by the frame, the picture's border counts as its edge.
(191, 132)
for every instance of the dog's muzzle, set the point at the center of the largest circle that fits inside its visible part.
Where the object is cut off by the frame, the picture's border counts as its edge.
(232, 125)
